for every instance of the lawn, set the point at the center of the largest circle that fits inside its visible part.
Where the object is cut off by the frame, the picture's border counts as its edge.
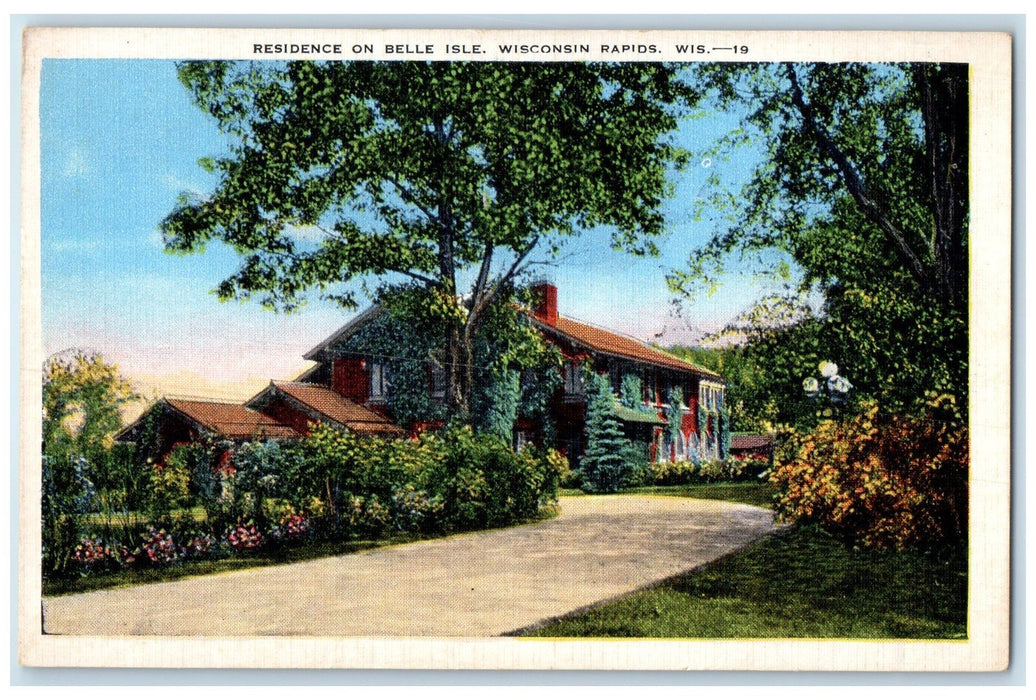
(752, 493)
(798, 584)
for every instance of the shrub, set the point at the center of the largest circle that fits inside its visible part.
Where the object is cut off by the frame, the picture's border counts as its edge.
(201, 546)
(67, 493)
(292, 528)
(257, 477)
(158, 547)
(414, 510)
(636, 463)
(244, 536)
(170, 484)
(671, 473)
(94, 554)
(879, 480)
(712, 470)
(330, 484)
(703, 472)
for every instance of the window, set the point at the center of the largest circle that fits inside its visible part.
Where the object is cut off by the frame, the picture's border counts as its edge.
(573, 379)
(438, 380)
(661, 447)
(521, 439)
(681, 446)
(380, 382)
(710, 396)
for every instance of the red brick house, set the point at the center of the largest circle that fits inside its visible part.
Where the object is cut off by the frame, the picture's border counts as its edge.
(351, 389)
(618, 356)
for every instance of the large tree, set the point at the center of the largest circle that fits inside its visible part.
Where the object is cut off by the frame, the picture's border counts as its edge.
(863, 189)
(426, 176)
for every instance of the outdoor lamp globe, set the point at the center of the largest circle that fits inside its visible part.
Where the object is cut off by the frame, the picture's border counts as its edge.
(811, 386)
(828, 370)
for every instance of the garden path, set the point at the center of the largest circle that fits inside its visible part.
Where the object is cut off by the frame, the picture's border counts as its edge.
(472, 585)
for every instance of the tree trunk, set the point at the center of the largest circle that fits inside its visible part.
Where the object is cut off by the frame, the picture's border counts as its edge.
(459, 371)
(943, 92)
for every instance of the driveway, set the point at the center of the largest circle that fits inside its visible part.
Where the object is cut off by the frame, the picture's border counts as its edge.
(474, 585)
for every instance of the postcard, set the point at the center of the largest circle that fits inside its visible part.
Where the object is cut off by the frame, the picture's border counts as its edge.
(497, 349)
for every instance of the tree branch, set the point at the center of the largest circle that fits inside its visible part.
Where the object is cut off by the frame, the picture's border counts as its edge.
(480, 305)
(483, 272)
(855, 184)
(409, 197)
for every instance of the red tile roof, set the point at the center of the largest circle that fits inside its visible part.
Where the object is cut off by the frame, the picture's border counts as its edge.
(232, 420)
(339, 409)
(750, 442)
(609, 343)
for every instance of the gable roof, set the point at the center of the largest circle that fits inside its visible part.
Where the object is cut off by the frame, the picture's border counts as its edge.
(232, 420)
(743, 441)
(592, 338)
(607, 342)
(229, 420)
(343, 333)
(331, 406)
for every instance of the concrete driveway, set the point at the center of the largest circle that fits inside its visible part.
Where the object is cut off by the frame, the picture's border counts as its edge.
(474, 585)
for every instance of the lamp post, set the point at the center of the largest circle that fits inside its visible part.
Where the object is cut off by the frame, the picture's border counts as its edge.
(835, 387)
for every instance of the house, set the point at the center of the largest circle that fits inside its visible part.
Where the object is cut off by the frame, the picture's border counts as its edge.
(357, 376)
(744, 446)
(658, 374)
(175, 421)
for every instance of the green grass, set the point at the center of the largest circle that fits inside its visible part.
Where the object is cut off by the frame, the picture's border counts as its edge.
(799, 584)
(753, 493)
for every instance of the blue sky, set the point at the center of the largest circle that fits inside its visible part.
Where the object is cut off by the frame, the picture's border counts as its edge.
(121, 140)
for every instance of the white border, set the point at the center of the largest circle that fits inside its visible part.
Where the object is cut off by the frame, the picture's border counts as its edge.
(986, 649)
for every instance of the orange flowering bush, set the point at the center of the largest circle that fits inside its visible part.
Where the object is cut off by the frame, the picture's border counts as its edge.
(878, 480)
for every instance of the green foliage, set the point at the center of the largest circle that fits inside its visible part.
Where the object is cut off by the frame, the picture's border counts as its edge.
(703, 472)
(397, 338)
(362, 486)
(331, 485)
(636, 461)
(170, 484)
(880, 480)
(506, 348)
(344, 172)
(82, 398)
(538, 388)
(604, 466)
(861, 197)
(674, 414)
(724, 433)
(495, 406)
(850, 185)
(632, 391)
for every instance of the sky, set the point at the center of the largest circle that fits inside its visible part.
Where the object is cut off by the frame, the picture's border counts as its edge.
(121, 139)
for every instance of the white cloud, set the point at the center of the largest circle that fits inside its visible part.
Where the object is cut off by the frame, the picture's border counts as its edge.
(71, 245)
(76, 164)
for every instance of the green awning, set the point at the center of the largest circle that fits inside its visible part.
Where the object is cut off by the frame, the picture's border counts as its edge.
(632, 415)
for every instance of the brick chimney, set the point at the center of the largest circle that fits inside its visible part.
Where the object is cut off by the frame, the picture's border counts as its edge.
(546, 302)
